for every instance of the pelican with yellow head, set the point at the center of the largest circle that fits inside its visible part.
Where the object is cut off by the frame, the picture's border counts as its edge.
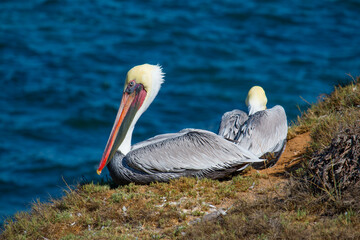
(263, 132)
(190, 152)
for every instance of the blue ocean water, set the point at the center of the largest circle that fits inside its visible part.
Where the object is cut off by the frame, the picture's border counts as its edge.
(63, 63)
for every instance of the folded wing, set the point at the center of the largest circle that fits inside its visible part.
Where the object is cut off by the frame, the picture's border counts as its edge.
(264, 132)
(231, 123)
(190, 149)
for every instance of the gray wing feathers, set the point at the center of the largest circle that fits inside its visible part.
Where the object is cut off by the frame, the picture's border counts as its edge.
(156, 139)
(190, 149)
(231, 123)
(264, 132)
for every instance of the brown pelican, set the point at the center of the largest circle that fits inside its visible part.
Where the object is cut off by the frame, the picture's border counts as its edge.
(190, 152)
(263, 132)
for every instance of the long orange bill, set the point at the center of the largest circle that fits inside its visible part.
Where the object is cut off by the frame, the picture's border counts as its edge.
(130, 103)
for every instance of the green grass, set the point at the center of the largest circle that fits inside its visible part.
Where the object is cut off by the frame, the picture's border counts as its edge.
(324, 119)
(168, 210)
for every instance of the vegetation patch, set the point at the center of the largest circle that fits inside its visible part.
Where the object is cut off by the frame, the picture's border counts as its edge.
(332, 113)
(281, 218)
(132, 211)
(337, 167)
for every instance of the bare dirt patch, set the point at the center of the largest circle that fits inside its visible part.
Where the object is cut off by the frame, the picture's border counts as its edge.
(289, 160)
(292, 155)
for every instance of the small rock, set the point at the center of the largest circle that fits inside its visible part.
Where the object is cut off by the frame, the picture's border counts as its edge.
(195, 221)
(124, 209)
(213, 215)
(211, 206)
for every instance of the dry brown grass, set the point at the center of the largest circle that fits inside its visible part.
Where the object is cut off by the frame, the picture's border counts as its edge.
(300, 216)
(130, 211)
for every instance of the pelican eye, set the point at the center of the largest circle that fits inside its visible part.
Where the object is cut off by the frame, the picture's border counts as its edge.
(132, 83)
(130, 87)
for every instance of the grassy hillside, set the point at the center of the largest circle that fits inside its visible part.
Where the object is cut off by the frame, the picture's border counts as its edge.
(255, 205)
(323, 120)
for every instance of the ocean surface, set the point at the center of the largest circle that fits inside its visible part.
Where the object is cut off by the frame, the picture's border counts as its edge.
(63, 64)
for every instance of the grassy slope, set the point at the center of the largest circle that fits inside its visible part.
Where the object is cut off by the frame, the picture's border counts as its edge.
(324, 119)
(130, 211)
(168, 210)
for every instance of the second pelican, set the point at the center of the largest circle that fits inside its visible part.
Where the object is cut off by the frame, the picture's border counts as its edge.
(263, 132)
(190, 152)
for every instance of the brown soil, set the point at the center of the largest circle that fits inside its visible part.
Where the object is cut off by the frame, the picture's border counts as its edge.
(291, 156)
(275, 178)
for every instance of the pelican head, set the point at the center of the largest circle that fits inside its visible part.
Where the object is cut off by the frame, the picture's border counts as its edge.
(256, 100)
(142, 84)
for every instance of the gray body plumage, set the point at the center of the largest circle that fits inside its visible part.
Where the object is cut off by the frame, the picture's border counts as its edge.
(190, 152)
(264, 134)
(231, 123)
